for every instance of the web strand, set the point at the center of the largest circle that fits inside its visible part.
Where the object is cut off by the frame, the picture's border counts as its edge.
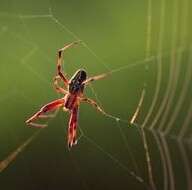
(163, 160)
(186, 163)
(174, 69)
(13, 155)
(188, 72)
(132, 173)
(169, 163)
(159, 64)
(148, 160)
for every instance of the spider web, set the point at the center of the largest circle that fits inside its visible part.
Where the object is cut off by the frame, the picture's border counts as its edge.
(148, 122)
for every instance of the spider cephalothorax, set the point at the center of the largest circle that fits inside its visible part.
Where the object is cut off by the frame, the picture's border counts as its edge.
(73, 95)
(76, 84)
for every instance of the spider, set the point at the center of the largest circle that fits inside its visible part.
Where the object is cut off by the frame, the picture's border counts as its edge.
(73, 96)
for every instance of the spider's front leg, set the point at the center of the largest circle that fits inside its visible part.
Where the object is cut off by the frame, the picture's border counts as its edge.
(94, 78)
(59, 61)
(72, 129)
(41, 113)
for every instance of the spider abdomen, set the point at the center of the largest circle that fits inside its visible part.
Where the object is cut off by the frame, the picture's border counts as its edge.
(70, 101)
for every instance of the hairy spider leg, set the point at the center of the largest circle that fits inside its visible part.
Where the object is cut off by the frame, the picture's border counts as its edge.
(72, 129)
(57, 87)
(40, 114)
(94, 78)
(59, 61)
(95, 105)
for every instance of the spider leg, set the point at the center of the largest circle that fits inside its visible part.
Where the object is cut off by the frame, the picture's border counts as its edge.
(95, 105)
(57, 87)
(94, 78)
(41, 113)
(59, 61)
(72, 129)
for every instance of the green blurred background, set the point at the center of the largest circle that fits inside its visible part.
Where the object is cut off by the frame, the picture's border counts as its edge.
(146, 45)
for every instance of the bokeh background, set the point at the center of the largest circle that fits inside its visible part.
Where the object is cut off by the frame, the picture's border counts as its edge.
(146, 45)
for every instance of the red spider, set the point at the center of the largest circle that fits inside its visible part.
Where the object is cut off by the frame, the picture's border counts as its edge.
(73, 95)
